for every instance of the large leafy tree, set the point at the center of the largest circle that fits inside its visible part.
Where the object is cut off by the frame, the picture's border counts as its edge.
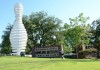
(76, 32)
(42, 29)
(96, 35)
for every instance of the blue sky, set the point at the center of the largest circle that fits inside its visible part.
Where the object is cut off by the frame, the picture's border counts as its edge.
(62, 9)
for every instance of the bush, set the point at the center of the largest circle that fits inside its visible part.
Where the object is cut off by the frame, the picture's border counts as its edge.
(88, 53)
(70, 55)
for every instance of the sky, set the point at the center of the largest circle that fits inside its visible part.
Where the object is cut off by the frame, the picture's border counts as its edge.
(62, 9)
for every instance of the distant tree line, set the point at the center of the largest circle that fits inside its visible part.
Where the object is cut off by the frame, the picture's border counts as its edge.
(45, 30)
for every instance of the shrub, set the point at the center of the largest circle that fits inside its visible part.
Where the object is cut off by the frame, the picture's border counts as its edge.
(88, 53)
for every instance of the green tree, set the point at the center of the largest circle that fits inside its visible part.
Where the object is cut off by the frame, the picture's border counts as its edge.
(96, 35)
(76, 32)
(6, 46)
(42, 29)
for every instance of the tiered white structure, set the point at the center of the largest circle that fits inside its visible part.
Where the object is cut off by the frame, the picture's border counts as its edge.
(18, 35)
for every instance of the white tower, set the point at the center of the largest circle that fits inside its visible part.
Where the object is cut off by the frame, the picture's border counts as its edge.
(18, 35)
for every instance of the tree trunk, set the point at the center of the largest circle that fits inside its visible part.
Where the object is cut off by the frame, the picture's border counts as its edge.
(77, 52)
(97, 53)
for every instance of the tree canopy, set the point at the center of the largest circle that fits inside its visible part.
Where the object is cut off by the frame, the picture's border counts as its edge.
(42, 29)
(45, 30)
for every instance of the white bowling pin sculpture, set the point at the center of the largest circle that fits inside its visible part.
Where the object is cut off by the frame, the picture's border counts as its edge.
(18, 35)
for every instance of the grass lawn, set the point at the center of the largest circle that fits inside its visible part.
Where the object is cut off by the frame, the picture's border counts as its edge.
(26, 63)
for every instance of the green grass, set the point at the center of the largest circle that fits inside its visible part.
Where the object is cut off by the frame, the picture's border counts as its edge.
(26, 63)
